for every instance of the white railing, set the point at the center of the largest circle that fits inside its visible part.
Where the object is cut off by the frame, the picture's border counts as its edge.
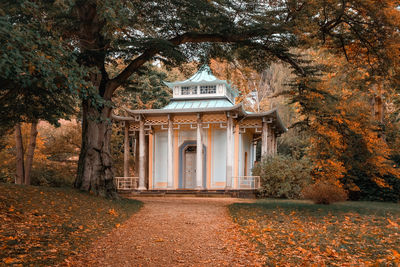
(247, 182)
(126, 183)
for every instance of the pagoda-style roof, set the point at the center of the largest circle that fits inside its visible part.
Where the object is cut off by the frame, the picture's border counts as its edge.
(239, 109)
(203, 77)
(203, 93)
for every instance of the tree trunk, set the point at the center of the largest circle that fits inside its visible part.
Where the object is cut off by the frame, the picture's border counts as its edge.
(30, 153)
(94, 167)
(20, 171)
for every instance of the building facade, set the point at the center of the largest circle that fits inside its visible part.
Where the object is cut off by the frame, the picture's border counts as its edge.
(201, 140)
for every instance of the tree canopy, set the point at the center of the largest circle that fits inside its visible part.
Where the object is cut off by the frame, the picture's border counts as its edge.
(39, 76)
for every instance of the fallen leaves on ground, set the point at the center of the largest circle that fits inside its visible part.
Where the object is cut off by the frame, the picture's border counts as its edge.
(42, 226)
(300, 233)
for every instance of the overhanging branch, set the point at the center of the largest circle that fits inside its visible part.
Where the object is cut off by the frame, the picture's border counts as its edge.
(189, 37)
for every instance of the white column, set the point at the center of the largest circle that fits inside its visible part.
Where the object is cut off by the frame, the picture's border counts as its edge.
(142, 156)
(254, 154)
(270, 140)
(170, 170)
(264, 139)
(229, 152)
(126, 150)
(199, 157)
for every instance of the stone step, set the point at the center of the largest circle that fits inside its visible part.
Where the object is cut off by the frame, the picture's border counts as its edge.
(192, 193)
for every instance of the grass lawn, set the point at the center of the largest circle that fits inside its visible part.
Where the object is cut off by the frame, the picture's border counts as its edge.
(42, 226)
(301, 233)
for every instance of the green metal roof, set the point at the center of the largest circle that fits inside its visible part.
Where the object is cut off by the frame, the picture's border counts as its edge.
(203, 103)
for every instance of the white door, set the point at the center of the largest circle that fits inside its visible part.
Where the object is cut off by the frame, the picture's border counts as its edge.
(190, 168)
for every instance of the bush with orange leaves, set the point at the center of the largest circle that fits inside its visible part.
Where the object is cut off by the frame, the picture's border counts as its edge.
(323, 192)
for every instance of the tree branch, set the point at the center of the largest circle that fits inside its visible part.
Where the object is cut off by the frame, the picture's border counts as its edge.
(189, 37)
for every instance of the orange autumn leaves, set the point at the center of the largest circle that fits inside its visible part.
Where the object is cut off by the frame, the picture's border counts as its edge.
(348, 127)
(293, 233)
(42, 226)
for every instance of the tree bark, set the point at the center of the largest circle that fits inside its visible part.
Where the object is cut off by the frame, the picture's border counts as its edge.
(30, 153)
(94, 166)
(20, 171)
(95, 173)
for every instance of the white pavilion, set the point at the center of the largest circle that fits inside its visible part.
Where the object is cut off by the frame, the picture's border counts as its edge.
(201, 140)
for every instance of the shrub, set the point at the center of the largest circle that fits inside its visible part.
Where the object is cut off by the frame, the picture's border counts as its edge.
(324, 193)
(283, 176)
(54, 175)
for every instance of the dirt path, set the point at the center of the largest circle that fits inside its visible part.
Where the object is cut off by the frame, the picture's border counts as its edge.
(174, 232)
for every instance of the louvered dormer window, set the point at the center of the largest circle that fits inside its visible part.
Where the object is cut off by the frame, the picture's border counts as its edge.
(208, 89)
(189, 90)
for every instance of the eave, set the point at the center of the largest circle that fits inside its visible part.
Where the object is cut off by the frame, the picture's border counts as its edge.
(273, 113)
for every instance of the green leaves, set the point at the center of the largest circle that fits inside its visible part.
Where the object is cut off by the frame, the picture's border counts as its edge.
(39, 75)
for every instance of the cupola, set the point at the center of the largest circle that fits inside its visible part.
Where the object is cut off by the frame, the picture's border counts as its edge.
(202, 89)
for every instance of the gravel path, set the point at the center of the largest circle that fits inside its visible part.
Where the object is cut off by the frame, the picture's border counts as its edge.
(174, 232)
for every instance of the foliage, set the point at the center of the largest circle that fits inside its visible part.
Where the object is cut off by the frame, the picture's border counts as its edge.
(54, 175)
(324, 193)
(258, 90)
(144, 90)
(117, 150)
(347, 139)
(39, 75)
(282, 176)
(298, 233)
(40, 225)
(56, 155)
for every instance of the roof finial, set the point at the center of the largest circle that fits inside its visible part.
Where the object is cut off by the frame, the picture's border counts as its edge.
(206, 68)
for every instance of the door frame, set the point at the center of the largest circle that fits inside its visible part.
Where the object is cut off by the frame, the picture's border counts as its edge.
(181, 167)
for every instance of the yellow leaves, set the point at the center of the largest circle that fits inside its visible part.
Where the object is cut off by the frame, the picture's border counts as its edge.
(396, 255)
(31, 68)
(112, 212)
(44, 225)
(159, 240)
(380, 182)
(393, 224)
(304, 236)
(8, 260)
(117, 225)
(267, 229)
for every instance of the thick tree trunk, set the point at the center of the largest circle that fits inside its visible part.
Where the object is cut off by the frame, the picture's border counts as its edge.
(30, 153)
(94, 167)
(20, 171)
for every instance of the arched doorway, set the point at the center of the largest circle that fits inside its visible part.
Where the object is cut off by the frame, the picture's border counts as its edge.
(187, 165)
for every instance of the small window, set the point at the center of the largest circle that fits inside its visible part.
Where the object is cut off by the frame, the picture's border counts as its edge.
(208, 89)
(189, 90)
